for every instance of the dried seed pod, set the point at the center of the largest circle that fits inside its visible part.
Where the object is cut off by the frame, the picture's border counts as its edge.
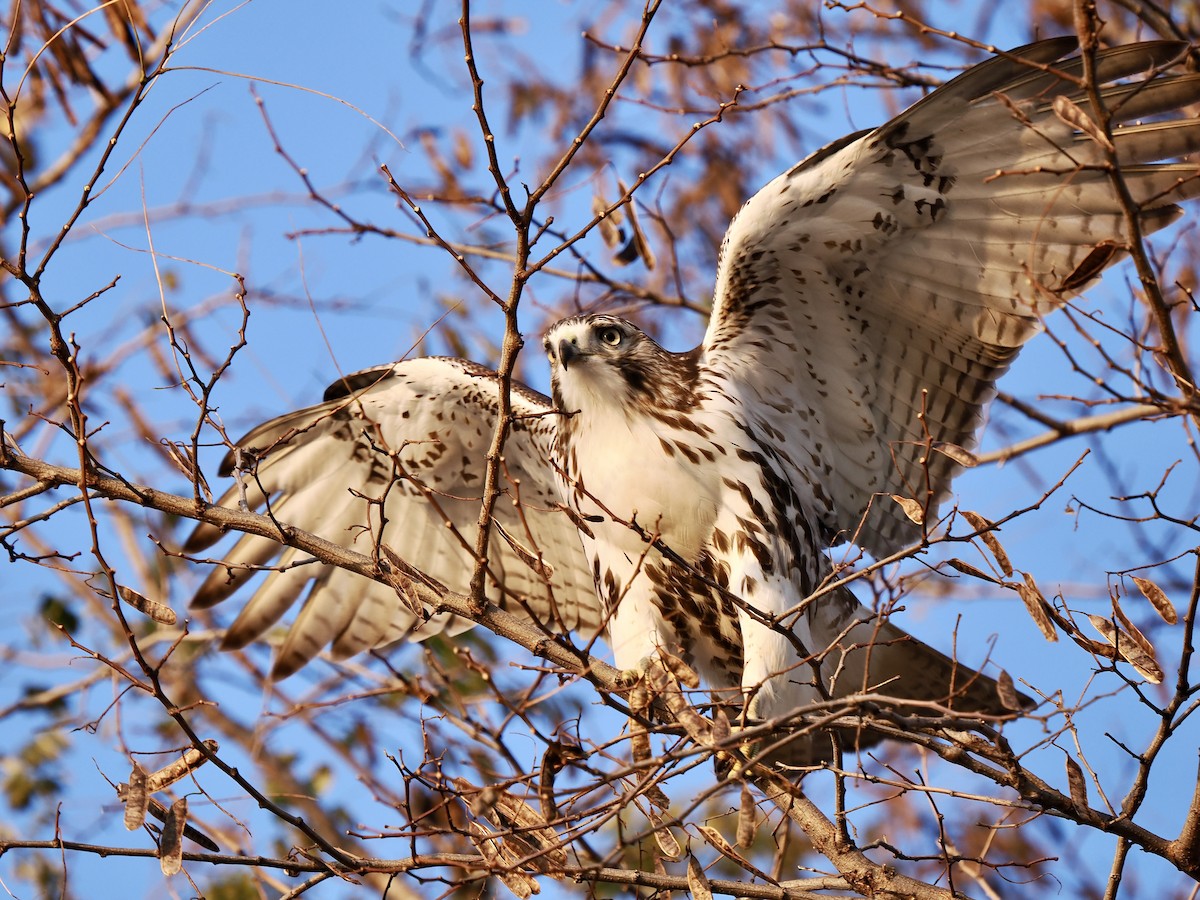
(170, 843)
(168, 775)
(960, 455)
(501, 861)
(1158, 599)
(697, 880)
(527, 556)
(1129, 648)
(747, 811)
(987, 534)
(136, 797)
(1076, 783)
(1010, 698)
(159, 612)
(682, 672)
(914, 510)
(1075, 116)
(968, 569)
(1036, 604)
(510, 812)
(722, 846)
(663, 837)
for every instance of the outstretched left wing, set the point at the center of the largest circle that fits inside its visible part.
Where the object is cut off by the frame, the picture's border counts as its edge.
(396, 456)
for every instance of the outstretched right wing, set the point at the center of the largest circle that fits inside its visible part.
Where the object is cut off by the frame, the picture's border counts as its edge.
(408, 441)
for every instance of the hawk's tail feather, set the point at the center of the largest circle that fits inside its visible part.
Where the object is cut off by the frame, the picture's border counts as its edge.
(869, 663)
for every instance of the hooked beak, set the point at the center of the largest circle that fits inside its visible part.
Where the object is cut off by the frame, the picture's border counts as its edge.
(568, 351)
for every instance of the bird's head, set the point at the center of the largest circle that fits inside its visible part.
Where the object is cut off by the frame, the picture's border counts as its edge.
(600, 360)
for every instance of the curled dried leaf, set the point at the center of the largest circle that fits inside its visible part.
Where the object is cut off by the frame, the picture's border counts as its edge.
(1158, 599)
(1129, 648)
(1076, 783)
(170, 843)
(136, 798)
(1035, 602)
(914, 510)
(159, 612)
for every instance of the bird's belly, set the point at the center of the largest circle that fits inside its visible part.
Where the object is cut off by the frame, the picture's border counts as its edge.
(665, 500)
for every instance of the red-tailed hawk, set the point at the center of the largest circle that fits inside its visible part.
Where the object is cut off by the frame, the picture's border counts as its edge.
(866, 302)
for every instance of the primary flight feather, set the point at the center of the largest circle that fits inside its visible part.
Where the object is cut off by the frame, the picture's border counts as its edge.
(866, 302)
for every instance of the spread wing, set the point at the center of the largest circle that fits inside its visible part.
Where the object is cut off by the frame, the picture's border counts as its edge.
(871, 296)
(414, 436)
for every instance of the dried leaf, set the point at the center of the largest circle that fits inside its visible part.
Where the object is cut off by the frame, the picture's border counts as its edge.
(987, 534)
(663, 837)
(747, 813)
(914, 510)
(697, 880)
(168, 775)
(1036, 604)
(1010, 697)
(1075, 116)
(1076, 784)
(170, 843)
(1128, 648)
(1158, 599)
(159, 612)
(968, 569)
(960, 455)
(136, 798)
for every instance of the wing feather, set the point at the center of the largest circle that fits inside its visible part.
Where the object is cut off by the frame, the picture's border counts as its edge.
(872, 296)
(408, 440)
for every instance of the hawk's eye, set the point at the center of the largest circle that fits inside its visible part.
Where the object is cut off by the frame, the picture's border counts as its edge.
(611, 336)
